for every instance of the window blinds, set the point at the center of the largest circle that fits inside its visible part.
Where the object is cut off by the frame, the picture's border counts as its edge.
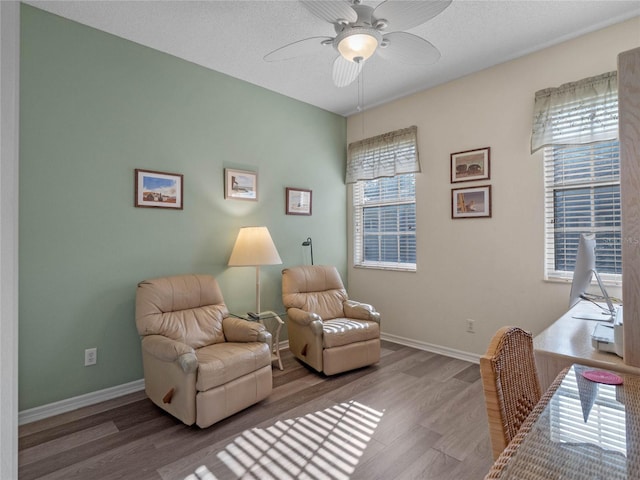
(582, 195)
(385, 223)
(385, 155)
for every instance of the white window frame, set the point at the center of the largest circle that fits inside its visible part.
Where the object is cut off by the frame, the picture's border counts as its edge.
(359, 205)
(551, 273)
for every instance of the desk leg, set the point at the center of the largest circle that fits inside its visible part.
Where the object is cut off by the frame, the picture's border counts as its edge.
(549, 366)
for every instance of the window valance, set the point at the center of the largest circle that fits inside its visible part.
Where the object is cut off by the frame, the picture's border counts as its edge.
(385, 155)
(576, 113)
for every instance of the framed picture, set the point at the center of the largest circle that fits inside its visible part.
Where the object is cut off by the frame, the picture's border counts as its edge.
(158, 189)
(471, 202)
(470, 165)
(298, 201)
(241, 184)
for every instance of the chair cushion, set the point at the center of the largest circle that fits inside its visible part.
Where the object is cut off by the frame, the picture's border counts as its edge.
(343, 331)
(222, 362)
(186, 308)
(318, 289)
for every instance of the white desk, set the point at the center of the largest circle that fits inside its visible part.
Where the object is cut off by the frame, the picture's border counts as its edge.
(568, 341)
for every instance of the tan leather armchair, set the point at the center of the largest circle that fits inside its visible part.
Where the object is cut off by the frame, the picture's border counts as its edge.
(327, 331)
(200, 365)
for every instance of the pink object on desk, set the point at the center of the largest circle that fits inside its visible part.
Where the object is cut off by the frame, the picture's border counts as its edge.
(602, 376)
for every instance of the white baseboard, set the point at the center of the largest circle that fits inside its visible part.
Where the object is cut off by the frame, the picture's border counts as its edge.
(69, 404)
(74, 403)
(429, 347)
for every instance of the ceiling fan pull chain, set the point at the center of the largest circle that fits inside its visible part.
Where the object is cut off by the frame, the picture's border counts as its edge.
(361, 98)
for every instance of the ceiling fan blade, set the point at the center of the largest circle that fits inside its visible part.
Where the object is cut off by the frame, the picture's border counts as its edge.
(331, 11)
(408, 48)
(403, 15)
(301, 48)
(345, 72)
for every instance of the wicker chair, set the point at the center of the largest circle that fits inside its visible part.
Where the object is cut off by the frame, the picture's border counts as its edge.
(505, 457)
(510, 383)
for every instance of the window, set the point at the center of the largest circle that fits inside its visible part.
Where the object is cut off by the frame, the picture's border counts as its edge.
(382, 170)
(583, 195)
(385, 222)
(582, 175)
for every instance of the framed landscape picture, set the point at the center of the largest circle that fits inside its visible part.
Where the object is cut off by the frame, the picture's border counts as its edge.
(470, 165)
(240, 184)
(472, 202)
(158, 189)
(298, 201)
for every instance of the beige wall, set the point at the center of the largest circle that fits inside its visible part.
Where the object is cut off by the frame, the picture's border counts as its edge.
(488, 270)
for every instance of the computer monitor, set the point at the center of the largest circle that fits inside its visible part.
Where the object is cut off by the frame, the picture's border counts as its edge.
(583, 272)
(585, 265)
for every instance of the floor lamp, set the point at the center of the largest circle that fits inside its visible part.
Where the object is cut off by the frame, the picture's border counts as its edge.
(309, 243)
(253, 248)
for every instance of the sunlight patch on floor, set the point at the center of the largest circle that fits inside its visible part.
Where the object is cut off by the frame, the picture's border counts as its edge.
(325, 444)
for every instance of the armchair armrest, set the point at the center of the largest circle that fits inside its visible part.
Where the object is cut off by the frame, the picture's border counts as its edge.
(303, 318)
(239, 330)
(361, 311)
(169, 350)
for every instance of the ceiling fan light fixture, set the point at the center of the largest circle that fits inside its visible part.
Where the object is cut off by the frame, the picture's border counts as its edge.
(357, 44)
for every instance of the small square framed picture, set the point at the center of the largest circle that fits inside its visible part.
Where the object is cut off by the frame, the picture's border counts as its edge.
(298, 201)
(470, 165)
(471, 202)
(241, 184)
(158, 189)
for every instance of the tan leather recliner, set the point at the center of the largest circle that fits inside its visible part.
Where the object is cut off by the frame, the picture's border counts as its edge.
(327, 331)
(200, 365)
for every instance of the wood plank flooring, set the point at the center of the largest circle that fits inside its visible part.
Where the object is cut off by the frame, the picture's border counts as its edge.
(415, 415)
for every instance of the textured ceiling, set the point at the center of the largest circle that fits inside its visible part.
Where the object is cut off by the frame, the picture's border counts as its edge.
(232, 37)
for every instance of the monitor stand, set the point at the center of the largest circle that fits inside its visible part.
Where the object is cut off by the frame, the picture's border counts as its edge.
(608, 313)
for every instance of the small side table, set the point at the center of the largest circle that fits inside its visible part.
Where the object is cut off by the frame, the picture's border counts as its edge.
(275, 335)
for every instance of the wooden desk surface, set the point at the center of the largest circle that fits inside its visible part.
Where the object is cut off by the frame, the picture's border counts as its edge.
(568, 341)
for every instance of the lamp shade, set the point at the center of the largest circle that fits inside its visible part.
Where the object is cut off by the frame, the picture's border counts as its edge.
(254, 247)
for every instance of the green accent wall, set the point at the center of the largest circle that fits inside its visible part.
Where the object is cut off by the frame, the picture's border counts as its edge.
(93, 107)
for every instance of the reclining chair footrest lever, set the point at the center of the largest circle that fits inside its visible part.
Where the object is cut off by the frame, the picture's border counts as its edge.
(168, 396)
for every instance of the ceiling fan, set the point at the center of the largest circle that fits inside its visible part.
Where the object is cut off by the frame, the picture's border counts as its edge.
(361, 31)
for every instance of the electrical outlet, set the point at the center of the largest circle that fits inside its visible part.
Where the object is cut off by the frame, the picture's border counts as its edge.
(90, 356)
(471, 326)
